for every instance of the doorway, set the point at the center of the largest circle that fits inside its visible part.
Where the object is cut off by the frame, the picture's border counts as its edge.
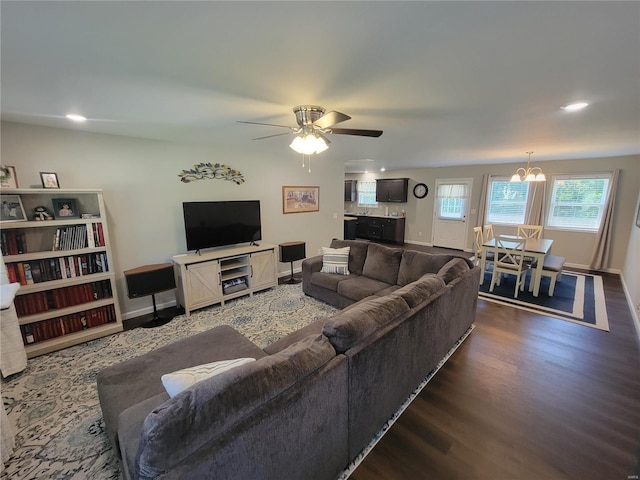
(451, 210)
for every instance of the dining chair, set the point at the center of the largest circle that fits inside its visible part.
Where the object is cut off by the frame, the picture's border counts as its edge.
(478, 240)
(530, 231)
(488, 232)
(509, 259)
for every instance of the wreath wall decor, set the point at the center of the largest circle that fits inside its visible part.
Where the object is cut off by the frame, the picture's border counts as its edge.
(203, 171)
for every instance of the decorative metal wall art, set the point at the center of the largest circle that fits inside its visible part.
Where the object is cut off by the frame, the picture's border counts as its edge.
(203, 171)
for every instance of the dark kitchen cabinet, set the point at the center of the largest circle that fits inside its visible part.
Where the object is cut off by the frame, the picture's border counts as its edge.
(392, 190)
(350, 190)
(384, 229)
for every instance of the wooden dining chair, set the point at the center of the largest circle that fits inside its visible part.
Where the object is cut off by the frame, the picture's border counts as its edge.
(509, 259)
(530, 231)
(478, 240)
(487, 232)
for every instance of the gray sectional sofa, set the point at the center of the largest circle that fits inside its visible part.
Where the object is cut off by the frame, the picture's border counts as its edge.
(312, 400)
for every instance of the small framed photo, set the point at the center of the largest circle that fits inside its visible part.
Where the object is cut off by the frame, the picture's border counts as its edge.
(49, 180)
(12, 209)
(65, 208)
(8, 177)
(300, 199)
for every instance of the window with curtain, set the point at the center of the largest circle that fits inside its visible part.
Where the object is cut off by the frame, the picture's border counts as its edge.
(578, 202)
(367, 194)
(450, 200)
(506, 201)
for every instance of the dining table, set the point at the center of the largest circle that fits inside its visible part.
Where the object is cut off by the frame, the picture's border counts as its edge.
(536, 248)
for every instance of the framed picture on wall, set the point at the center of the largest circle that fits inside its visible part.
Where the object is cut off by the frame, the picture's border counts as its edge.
(638, 216)
(65, 208)
(300, 199)
(49, 180)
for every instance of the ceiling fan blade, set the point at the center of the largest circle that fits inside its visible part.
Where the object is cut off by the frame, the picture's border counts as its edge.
(324, 137)
(352, 131)
(330, 118)
(268, 124)
(269, 136)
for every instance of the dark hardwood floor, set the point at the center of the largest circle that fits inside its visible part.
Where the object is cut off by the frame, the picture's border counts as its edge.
(524, 397)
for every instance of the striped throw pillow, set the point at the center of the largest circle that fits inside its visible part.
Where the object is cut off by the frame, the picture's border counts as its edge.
(178, 381)
(335, 260)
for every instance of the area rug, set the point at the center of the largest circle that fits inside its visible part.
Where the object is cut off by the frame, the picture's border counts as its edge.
(578, 298)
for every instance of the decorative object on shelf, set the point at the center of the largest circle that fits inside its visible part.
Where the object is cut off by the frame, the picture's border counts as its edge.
(64, 208)
(49, 180)
(529, 174)
(12, 209)
(420, 190)
(8, 178)
(41, 213)
(218, 171)
(300, 199)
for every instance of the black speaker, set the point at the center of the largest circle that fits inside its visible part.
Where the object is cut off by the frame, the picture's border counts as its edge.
(150, 279)
(292, 251)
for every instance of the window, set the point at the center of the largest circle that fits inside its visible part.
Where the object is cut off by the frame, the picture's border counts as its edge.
(367, 194)
(577, 203)
(506, 201)
(451, 200)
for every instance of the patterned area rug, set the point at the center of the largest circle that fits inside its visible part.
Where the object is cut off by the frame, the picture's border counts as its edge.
(53, 404)
(577, 298)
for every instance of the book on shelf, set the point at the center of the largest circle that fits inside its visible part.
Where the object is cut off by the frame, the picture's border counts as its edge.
(48, 269)
(63, 325)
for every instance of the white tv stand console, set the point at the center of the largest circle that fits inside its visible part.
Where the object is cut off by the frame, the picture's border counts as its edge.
(222, 274)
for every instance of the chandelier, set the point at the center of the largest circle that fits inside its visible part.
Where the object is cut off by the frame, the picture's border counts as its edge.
(529, 174)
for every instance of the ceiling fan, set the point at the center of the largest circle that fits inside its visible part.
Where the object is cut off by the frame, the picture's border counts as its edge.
(314, 123)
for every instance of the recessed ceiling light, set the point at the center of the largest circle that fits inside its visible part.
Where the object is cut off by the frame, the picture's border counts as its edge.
(574, 107)
(76, 118)
(382, 169)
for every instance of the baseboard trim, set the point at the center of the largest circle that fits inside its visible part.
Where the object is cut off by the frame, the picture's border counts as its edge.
(634, 313)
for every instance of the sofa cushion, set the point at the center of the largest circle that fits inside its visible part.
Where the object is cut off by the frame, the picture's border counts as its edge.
(414, 264)
(349, 327)
(453, 269)
(335, 260)
(220, 402)
(359, 287)
(328, 280)
(418, 291)
(177, 381)
(382, 263)
(357, 253)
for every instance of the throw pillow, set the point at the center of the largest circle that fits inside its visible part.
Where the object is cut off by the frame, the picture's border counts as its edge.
(335, 260)
(180, 380)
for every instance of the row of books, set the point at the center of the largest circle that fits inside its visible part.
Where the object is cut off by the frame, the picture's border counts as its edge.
(48, 269)
(57, 298)
(75, 237)
(56, 327)
(13, 242)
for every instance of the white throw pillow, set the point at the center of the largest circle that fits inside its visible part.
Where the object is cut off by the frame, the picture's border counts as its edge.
(335, 260)
(180, 380)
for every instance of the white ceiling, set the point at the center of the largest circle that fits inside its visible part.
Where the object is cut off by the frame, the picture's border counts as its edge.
(450, 83)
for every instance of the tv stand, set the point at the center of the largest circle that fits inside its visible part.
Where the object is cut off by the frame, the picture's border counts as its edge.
(204, 279)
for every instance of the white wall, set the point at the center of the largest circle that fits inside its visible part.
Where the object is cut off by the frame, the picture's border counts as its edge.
(631, 271)
(576, 247)
(144, 195)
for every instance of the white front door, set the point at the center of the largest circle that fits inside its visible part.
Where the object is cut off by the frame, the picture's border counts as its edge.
(451, 210)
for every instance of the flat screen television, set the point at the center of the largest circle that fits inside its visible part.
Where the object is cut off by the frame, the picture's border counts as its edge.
(216, 224)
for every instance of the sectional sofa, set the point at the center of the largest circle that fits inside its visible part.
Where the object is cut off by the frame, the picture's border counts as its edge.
(311, 401)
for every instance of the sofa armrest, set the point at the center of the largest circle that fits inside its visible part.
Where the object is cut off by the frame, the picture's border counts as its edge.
(312, 264)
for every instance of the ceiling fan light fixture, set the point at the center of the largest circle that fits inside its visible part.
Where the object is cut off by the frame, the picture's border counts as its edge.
(308, 144)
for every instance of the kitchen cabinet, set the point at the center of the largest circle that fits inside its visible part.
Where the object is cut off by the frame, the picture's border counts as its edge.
(350, 190)
(392, 190)
(384, 229)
